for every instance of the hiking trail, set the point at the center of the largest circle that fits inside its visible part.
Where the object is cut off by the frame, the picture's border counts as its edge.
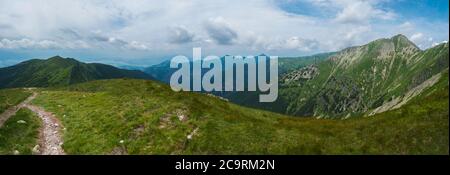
(50, 140)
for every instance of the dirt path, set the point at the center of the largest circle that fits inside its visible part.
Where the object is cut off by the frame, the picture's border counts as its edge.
(50, 140)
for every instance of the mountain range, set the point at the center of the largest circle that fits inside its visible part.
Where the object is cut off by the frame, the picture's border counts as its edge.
(356, 81)
(58, 71)
(401, 90)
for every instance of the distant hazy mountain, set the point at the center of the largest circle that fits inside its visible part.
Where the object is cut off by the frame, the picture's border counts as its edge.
(58, 71)
(163, 72)
(129, 67)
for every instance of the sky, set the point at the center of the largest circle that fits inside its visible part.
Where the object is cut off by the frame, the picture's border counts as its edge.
(145, 32)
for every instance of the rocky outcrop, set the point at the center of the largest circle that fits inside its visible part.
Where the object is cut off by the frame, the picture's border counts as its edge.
(338, 98)
(302, 74)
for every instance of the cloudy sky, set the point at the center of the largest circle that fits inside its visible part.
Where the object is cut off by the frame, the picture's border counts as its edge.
(143, 32)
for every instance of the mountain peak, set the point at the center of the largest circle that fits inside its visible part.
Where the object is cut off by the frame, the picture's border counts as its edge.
(401, 41)
(400, 36)
(263, 55)
(57, 57)
(61, 60)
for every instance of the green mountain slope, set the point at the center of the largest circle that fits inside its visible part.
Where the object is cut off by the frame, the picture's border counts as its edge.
(57, 71)
(145, 117)
(357, 81)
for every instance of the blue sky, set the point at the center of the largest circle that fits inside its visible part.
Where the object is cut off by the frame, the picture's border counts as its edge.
(434, 10)
(148, 31)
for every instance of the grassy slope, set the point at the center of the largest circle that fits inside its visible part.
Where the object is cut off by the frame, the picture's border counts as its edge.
(11, 97)
(19, 136)
(99, 114)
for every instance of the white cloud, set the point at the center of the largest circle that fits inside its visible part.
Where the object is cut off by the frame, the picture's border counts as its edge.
(424, 41)
(300, 44)
(416, 37)
(221, 31)
(221, 27)
(437, 43)
(362, 12)
(180, 35)
(30, 44)
(137, 45)
(406, 25)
